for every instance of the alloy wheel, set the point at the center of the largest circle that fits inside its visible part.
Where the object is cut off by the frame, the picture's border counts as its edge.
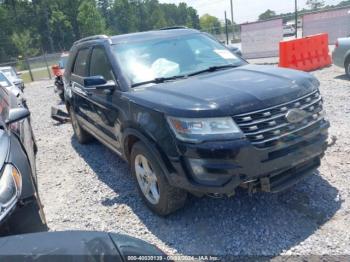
(147, 179)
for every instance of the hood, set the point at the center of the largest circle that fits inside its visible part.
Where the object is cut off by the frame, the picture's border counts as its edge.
(4, 147)
(226, 92)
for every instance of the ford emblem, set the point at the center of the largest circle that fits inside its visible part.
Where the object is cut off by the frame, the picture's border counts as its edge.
(296, 115)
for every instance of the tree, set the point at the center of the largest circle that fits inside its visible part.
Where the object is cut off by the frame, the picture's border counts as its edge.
(192, 18)
(315, 4)
(268, 14)
(104, 7)
(61, 29)
(24, 42)
(210, 23)
(90, 20)
(53, 26)
(344, 3)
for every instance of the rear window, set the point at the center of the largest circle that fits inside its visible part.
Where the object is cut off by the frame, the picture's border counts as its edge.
(4, 82)
(80, 66)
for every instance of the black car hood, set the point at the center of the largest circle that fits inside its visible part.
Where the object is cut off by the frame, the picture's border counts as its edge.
(4, 147)
(227, 92)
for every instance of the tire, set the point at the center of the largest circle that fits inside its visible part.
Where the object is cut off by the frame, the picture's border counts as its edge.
(82, 135)
(347, 67)
(61, 95)
(27, 219)
(169, 198)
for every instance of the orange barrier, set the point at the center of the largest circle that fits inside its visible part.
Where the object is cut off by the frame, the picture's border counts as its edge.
(307, 54)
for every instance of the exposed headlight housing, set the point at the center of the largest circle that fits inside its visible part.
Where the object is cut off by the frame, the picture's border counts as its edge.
(10, 189)
(197, 130)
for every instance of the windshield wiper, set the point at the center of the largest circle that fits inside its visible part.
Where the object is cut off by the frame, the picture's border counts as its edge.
(212, 69)
(159, 80)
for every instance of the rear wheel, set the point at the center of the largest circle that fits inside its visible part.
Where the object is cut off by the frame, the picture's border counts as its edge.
(158, 194)
(83, 136)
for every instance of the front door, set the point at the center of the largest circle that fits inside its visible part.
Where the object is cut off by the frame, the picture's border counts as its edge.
(106, 102)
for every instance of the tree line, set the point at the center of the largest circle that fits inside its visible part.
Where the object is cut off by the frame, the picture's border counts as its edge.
(29, 27)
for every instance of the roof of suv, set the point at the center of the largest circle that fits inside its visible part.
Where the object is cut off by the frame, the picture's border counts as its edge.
(140, 36)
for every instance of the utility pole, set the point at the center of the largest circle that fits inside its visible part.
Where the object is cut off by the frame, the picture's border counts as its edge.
(296, 18)
(233, 26)
(226, 30)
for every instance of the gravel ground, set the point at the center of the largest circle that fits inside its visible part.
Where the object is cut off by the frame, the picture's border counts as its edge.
(87, 187)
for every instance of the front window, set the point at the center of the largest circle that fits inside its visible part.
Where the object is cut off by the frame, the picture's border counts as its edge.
(4, 82)
(178, 56)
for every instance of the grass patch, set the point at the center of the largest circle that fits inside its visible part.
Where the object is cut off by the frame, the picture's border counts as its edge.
(37, 75)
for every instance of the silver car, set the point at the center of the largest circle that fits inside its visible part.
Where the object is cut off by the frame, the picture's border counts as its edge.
(10, 86)
(341, 54)
(12, 75)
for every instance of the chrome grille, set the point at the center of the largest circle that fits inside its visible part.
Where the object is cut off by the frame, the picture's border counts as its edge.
(267, 127)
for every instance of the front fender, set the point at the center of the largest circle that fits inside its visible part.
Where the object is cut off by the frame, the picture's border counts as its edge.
(151, 145)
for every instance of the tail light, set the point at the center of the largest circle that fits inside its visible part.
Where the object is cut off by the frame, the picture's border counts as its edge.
(336, 44)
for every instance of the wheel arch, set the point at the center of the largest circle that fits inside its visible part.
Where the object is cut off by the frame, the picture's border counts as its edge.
(132, 136)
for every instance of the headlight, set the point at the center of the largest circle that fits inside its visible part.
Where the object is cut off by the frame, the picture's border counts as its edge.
(10, 189)
(200, 129)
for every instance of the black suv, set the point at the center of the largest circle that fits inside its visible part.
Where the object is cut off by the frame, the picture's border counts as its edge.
(190, 116)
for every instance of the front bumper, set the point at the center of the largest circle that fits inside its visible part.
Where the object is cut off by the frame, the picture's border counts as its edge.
(220, 167)
(25, 217)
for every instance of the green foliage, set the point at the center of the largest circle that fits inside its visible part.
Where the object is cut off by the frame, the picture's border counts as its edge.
(22, 42)
(315, 4)
(32, 26)
(90, 20)
(210, 23)
(268, 14)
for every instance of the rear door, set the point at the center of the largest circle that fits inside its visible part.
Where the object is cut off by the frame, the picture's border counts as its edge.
(81, 100)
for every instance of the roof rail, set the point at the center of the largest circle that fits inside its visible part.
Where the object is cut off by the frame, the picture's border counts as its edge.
(174, 27)
(95, 37)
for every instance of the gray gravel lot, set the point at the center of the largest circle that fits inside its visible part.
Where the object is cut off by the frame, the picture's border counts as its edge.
(87, 187)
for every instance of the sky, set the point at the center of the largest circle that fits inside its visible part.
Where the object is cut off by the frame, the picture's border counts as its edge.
(243, 10)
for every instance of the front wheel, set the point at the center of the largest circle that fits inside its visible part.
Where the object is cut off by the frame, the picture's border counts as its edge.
(158, 194)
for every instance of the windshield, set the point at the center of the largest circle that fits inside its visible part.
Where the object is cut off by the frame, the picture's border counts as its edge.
(4, 82)
(159, 58)
(10, 73)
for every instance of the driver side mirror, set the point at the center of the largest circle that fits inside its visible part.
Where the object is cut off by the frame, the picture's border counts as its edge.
(17, 114)
(98, 82)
